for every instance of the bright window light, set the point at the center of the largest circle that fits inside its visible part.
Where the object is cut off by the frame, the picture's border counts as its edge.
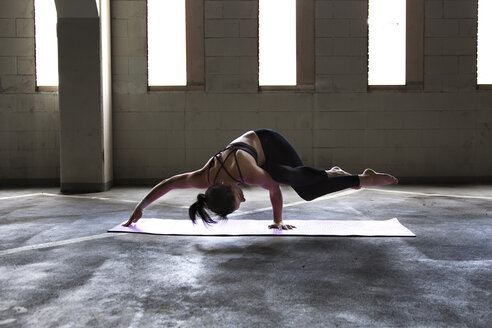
(46, 43)
(387, 38)
(484, 46)
(166, 42)
(277, 42)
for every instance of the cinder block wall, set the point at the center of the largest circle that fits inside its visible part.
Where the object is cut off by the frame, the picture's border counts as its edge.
(440, 133)
(29, 124)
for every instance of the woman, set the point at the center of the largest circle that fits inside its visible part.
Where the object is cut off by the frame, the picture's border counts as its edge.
(261, 158)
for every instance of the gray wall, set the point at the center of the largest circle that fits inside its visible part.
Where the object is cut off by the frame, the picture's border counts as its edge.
(29, 137)
(441, 133)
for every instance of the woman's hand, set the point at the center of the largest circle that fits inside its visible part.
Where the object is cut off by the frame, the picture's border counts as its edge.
(281, 226)
(137, 214)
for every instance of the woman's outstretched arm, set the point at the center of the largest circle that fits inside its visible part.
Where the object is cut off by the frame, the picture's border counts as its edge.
(194, 179)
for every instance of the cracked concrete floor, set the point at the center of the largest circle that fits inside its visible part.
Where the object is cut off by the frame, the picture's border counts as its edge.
(59, 267)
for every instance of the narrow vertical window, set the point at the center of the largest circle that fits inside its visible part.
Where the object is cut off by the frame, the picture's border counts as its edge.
(277, 42)
(387, 40)
(46, 43)
(166, 33)
(484, 46)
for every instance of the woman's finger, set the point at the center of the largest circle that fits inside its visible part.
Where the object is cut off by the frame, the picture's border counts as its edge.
(130, 221)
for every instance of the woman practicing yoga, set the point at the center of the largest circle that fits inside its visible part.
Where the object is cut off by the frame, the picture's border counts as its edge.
(261, 158)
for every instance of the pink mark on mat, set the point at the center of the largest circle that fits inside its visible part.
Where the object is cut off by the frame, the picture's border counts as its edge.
(373, 228)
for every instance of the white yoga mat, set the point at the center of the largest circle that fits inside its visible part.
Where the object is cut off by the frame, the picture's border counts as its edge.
(388, 228)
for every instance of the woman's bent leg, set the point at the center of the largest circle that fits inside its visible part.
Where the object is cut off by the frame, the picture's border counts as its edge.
(285, 166)
(326, 186)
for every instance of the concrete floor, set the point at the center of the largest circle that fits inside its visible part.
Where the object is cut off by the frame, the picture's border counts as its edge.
(59, 268)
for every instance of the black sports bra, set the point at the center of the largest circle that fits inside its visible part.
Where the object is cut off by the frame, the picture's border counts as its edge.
(234, 147)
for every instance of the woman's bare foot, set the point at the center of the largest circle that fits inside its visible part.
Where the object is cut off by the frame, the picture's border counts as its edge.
(336, 171)
(372, 178)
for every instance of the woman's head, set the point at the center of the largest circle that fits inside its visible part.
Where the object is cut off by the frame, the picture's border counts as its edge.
(222, 199)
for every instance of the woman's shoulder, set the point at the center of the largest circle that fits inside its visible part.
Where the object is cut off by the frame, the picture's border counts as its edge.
(198, 178)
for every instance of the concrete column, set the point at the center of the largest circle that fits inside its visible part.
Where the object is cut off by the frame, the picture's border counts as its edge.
(85, 95)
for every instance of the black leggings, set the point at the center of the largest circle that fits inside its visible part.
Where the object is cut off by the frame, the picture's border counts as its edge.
(285, 166)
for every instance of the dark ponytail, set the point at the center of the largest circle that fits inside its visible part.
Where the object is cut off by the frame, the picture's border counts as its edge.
(199, 207)
(219, 198)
